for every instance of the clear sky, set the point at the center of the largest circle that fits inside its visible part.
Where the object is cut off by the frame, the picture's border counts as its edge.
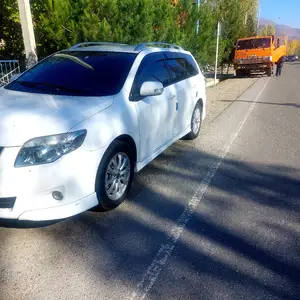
(285, 12)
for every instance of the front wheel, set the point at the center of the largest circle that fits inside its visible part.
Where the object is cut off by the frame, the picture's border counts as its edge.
(240, 73)
(115, 175)
(196, 122)
(269, 72)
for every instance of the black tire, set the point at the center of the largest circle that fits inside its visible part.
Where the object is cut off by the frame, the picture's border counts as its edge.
(105, 202)
(269, 72)
(240, 73)
(194, 134)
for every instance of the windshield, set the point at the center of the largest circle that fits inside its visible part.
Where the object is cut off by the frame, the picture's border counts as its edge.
(78, 73)
(254, 44)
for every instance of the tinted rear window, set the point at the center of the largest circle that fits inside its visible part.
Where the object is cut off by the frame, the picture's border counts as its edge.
(181, 68)
(80, 73)
(254, 44)
(191, 66)
(177, 69)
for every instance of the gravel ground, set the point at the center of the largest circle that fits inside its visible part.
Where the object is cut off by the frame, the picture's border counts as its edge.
(219, 97)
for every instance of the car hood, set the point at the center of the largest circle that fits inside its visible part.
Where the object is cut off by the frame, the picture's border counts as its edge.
(27, 115)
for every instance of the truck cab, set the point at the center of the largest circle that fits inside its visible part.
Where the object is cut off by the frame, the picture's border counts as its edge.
(258, 54)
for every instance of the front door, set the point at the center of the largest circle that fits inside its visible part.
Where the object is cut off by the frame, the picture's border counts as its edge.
(156, 114)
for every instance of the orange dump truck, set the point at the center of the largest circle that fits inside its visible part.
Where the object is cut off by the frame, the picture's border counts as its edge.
(258, 54)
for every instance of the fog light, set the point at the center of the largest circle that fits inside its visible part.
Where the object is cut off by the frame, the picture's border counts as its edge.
(57, 195)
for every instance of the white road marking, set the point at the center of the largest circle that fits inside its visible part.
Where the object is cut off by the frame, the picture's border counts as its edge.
(165, 250)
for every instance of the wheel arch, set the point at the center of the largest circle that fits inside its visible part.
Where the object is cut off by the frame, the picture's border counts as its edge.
(201, 103)
(125, 138)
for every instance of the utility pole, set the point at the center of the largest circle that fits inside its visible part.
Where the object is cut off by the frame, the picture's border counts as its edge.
(217, 51)
(27, 32)
(197, 25)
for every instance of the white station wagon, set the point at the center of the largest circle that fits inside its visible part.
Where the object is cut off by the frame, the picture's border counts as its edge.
(76, 127)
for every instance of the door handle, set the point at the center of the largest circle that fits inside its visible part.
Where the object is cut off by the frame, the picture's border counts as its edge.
(176, 106)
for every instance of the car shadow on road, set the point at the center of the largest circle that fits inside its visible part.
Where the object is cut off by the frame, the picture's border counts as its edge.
(242, 241)
(219, 76)
(7, 223)
(267, 103)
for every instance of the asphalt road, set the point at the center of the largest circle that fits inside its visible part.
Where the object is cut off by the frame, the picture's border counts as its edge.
(218, 218)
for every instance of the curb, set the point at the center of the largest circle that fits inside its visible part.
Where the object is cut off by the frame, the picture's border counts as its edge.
(212, 83)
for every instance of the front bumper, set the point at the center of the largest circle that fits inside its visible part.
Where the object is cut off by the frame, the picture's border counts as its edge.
(73, 175)
(253, 67)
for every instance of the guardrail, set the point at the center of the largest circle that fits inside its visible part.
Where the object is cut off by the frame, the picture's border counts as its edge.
(7, 69)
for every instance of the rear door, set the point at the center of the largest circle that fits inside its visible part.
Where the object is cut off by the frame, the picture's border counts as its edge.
(185, 88)
(156, 114)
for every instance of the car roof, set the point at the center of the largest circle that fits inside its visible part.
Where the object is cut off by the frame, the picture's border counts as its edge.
(112, 48)
(115, 47)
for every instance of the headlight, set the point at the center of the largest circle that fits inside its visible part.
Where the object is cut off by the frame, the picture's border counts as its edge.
(47, 149)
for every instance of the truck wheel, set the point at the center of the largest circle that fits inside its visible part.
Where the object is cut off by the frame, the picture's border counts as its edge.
(239, 73)
(269, 72)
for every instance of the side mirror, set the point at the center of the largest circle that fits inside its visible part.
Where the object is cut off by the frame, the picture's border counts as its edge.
(151, 88)
(15, 76)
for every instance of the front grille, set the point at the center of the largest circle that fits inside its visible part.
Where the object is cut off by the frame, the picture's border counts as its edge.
(258, 60)
(7, 202)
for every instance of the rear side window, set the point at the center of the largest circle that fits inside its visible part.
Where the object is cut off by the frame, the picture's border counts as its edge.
(181, 66)
(78, 73)
(153, 67)
(178, 70)
(191, 66)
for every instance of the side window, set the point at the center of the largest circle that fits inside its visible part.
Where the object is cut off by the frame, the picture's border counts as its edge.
(191, 66)
(178, 70)
(153, 67)
(155, 70)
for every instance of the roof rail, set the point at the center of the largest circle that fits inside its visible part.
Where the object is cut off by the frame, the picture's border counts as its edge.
(142, 46)
(87, 44)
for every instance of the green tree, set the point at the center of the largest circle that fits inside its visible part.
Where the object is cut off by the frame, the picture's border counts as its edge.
(204, 43)
(59, 24)
(238, 18)
(10, 33)
(56, 24)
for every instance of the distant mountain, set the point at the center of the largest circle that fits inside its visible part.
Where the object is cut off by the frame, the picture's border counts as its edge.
(282, 30)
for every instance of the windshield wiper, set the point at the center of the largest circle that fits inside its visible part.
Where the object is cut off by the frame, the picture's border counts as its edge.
(76, 60)
(62, 88)
(28, 84)
(57, 88)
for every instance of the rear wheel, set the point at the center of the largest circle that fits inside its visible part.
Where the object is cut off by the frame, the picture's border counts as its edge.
(115, 175)
(196, 122)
